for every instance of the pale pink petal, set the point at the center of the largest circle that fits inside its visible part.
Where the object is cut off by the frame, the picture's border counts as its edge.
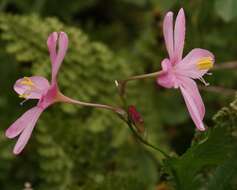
(192, 89)
(28, 121)
(32, 87)
(179, 35)
(168, 31)
(189, 65)
(63, 45)
(166, 80)
(21, 123)
(166, 65)
(60, 53)
(52, 46)
(193, 101)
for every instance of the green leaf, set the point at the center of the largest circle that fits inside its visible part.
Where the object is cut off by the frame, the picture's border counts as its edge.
(212, 149)
(226, 9)
(227, 174)
(209, 150)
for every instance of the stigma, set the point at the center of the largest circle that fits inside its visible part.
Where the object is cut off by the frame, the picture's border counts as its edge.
(205, 63)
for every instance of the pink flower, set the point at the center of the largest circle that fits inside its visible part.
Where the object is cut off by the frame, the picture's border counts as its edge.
(178, 72)
(37, 87)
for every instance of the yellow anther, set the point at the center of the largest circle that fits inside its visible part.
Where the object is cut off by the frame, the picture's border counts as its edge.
(31, 86)
(205, 63)
(28, 82)
(25, 96)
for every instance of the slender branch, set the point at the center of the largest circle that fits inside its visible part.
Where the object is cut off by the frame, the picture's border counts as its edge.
(66, 99)
(121, 112)
(145, 142)
(137, 77)
(219, 90)
(121, 84)
(226, 65)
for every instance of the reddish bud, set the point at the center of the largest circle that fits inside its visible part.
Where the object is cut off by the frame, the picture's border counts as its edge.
(136, 118)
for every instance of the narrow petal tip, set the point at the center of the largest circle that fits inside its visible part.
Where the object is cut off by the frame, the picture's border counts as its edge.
(57, 54)
(181, 11)
(168, 32)
(9, 134)
(169, 14)
(52, 39)
(63, 40)
(201, 127)
(181, 15)
(62, 33)
(16, 151)
(23, 126)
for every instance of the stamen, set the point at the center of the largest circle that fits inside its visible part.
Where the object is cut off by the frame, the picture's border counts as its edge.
(205, 63)
(30, 87)
(204, 82)
(28, 82)
(24, 95)
(209, 74)
(22, 103)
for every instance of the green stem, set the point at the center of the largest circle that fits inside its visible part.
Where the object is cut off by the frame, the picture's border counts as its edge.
(121, 84)
(63, 98)
(145, 142)
(121, 112)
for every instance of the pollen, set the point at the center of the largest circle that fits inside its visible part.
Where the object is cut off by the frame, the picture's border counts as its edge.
(205, 63)
(24, 95)
(28, 82)
(30, 87)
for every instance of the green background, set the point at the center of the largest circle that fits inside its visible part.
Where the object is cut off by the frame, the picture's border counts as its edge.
(80, 148)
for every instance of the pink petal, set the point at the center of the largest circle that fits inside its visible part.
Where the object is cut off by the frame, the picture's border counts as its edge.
(166, 78)
(20, 124)
(57, 56)
(169, 34)
(166, 65)
(188, 66)
(36, 87)
(50, 97)
(52, 45)
(192, 88)
(179, 35)
(193, 101)
(24, 125)
(63, 45)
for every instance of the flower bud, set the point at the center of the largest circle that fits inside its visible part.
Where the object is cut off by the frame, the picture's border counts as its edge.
(136, 119)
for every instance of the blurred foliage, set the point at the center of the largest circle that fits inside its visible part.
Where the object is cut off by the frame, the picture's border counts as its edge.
(83, 148)
(216, 147)
(226, 9)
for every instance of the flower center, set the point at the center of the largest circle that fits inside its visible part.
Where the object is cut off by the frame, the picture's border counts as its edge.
(205, 63)
(26, 81)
